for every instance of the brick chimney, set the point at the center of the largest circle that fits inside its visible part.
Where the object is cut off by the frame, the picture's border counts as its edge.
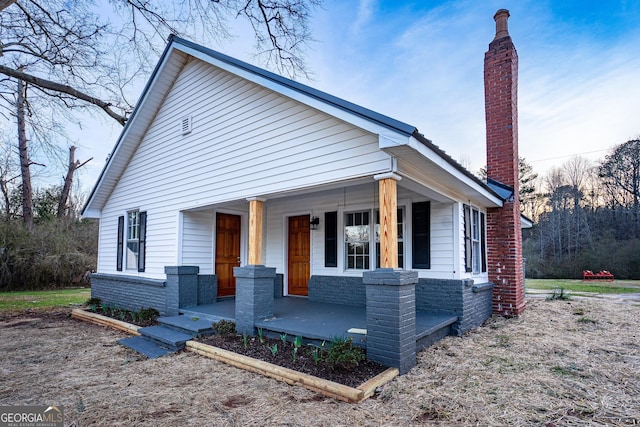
(504, 234)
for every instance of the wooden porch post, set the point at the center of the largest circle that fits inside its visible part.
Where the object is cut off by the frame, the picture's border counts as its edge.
(387, 184)
(255, 230)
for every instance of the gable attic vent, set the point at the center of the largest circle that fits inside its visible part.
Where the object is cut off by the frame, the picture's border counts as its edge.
(186, 125)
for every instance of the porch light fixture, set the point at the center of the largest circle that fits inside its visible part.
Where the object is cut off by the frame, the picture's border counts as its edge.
(313, 224)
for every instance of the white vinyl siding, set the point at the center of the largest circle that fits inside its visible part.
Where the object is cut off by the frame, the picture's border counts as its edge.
(442, 245)
(197, 240)
(245, 141)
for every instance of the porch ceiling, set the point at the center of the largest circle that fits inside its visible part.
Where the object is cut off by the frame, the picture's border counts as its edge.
(440, 178)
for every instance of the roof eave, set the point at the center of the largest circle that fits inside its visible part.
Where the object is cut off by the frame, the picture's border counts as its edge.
(455, 169)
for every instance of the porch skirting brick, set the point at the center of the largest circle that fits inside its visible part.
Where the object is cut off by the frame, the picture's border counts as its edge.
(129, 292)
(184, 287)
(338, 290)
(470, 302)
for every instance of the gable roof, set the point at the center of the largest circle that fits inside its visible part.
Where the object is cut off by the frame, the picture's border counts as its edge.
(171, 62)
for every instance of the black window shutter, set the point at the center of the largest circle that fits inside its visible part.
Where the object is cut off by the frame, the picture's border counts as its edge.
(421, 234)
(120, 245)
(483, 240)
(142, 241)
(467, 239)
(331, 239)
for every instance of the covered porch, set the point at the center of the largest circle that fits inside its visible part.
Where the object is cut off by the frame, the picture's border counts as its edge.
(317, 321)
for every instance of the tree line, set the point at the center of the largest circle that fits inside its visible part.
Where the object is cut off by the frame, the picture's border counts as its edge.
(586, 216)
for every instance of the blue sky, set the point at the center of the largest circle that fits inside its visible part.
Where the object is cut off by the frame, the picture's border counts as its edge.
(421, 62)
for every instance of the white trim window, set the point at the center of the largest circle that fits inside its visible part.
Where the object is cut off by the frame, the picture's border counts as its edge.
(475, 240)
(357, 236)
(400, 219)
(133, 239)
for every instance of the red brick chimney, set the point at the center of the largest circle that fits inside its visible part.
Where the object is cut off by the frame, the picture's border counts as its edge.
(504, 234)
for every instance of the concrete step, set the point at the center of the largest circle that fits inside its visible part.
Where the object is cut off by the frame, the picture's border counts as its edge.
(165, 336)
(211, 318)
(193, 325)
(145, 346)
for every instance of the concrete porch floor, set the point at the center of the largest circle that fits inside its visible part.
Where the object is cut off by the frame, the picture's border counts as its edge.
(316, 321)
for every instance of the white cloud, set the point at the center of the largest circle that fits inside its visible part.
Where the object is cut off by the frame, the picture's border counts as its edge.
(365, 11)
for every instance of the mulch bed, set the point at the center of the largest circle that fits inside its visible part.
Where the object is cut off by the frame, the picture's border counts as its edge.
(260, 350)
(304, 360)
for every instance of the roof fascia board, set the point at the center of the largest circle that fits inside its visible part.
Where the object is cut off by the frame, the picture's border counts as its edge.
(439, 160)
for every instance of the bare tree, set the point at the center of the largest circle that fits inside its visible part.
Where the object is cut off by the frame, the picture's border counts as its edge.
(620, 172)
(62, 46)
(577, 171)
(64, 52)
(25, 161)
(8, 175)
(72, 167)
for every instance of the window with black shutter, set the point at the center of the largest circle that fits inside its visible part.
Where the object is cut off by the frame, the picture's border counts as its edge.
(142, 241)
(120, 245)
(331, 239)
(421, 235)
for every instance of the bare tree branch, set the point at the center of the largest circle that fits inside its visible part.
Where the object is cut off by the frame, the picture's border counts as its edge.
(57, 87)
(5, 4)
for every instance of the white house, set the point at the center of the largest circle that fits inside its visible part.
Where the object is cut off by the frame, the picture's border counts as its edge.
(223, 164)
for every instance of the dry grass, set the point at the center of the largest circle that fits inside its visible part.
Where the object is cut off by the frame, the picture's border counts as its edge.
(562, 363)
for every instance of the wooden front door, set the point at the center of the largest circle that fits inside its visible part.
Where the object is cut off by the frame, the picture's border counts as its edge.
(227, 252)
(299, 255)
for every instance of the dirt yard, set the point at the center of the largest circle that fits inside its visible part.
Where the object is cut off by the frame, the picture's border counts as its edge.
(562, 363)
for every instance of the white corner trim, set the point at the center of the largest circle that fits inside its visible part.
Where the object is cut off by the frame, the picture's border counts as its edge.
(387, 175)
(258, 199)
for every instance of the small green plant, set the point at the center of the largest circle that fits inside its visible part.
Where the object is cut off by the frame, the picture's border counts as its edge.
(93, 303)
(122, 314)
(244, 340)
(148, 314)
(274, 349)
(585, 319)
(343, 354)
(134, 317)
(315, 355)
(297, 343)
(225, 327)
(112, 311)
(260, 336)
(283, 338)
(558, 294)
